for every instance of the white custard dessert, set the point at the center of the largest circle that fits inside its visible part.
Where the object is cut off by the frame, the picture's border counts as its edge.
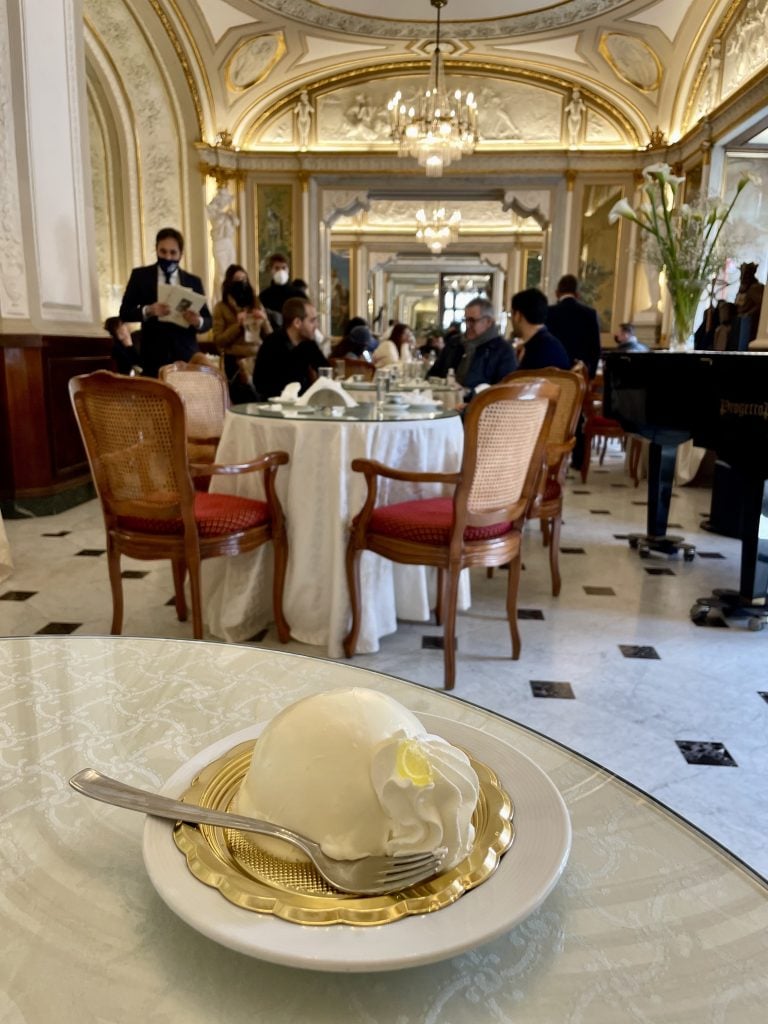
(358, 773)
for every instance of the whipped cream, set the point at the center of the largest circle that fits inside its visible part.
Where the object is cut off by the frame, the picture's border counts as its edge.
(358, 773)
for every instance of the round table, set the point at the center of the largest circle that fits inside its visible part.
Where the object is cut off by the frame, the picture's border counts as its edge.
(651, 921)
(320, 496)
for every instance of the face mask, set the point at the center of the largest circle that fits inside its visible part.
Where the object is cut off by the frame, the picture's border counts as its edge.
(280, 277)
(242, 293)
(168, 266)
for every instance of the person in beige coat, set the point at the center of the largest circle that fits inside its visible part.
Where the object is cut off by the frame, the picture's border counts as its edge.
(240, 325)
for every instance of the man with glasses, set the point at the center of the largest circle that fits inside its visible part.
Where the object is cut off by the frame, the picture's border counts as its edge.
(482, 356)
(290, 353)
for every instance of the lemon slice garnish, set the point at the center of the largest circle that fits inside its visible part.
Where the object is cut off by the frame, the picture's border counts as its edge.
(413, 764)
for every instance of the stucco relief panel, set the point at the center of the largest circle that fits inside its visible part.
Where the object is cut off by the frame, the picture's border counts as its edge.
(632, 60)
(507, 111)
(13, 285)
(154, 116)
(746, 50)
(279, 130)
(253, 60)
(600, 130)
(100, 199)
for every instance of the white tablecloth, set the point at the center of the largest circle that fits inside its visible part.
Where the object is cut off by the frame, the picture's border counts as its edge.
(6, 562)
(320, 496)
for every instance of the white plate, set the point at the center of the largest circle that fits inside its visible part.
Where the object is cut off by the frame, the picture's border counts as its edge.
(277, 400)
(527, 874)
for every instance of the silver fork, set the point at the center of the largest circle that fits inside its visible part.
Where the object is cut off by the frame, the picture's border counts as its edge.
(372, 876)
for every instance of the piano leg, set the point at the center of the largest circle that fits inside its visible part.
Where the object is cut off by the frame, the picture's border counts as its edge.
(661, 476)
(749, 602)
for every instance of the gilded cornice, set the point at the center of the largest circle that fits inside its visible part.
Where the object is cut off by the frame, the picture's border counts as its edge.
(181, 53)
(484, 69)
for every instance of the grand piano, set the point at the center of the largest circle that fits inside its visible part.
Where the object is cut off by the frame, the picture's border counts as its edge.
(720, 401)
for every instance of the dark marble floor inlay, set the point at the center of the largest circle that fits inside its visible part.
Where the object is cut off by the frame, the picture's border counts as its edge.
(619, 485)
(639, 651)
(582, 492)
(572, 551)
(621, 536)
(530, 613)
(133, 574)
(639, 502)
(704, 752)
(661, 572)
(675, 526)
(763, 694)
(600, 591)
(91, 552)
(61, 533)
(435, 643)
(600, 512)
(258, 637)
(544, 688)
(17, 595)
(709, 554)
(170, 601)
(58, 628)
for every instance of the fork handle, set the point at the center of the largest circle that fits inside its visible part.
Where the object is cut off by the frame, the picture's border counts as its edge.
(93, 783)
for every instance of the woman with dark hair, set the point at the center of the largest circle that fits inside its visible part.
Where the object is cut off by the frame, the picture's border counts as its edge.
(239, 327)
(355, 341)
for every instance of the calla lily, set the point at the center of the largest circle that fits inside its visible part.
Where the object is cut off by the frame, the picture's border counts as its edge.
(621, 209)
(659, 172)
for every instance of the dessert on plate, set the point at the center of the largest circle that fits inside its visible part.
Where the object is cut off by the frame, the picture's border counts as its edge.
(359, 774)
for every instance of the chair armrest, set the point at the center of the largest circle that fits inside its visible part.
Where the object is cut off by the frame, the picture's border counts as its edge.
(372, 468)
(271, 460)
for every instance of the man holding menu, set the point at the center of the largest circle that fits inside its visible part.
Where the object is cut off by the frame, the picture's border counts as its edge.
(169, 304)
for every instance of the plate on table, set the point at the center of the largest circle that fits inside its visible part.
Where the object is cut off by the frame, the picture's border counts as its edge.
(526, 875)
(277, 400)
(426, 406)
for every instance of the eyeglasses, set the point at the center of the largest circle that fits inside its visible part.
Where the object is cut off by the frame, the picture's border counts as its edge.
(475, 319)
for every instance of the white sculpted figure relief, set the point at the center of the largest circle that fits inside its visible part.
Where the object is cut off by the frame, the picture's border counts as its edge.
(710, 89)
(303, 111)
(746, 50)
(224, 222)
(279, 130)
(355, 115)
(574, 116)
(345, 202)
(254, 59)
(537, 112)
(599, 129)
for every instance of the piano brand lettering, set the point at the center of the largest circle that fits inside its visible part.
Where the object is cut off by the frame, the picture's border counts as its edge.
(743, 409)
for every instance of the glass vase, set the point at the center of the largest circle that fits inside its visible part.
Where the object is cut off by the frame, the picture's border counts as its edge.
(685, 296)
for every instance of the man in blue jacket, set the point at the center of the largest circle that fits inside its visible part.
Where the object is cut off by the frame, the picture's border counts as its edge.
(540, 348)
(484, 357)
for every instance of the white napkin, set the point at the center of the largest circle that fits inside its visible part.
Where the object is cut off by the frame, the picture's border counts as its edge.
(291, 391)
(326, 384)
(420, 397)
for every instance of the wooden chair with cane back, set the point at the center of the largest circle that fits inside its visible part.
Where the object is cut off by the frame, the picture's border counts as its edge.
(479, 523)
(134, 432)
(206, 400)
(597, 426)
(358, 368)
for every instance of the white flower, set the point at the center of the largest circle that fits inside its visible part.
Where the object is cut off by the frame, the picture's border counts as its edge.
(748, 178)
(658, 172)
(621, 209)
(674, 180)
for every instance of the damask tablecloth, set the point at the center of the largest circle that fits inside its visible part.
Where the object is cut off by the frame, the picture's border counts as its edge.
(320, 496)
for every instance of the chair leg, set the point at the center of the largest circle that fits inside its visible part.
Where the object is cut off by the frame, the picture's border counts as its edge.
(116, 585)
(635, 451)
(353, 584)
(193, 565)
(554, 553)
(179, 575)
(489, 572)
(512, 586)
(440, 599)
(449, 628)
(280, 548)
(545, 537)
(603, 450)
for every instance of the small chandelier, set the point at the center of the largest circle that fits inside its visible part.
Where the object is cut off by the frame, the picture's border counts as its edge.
(438, 230)
(444, 127)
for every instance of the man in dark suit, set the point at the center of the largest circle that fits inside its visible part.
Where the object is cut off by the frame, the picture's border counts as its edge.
(163, 342)
(575, 324)
(540, 347)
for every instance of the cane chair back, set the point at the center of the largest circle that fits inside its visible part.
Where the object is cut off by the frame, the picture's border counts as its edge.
(134, 432)
(358, 368)
(480, 523)
(206, 400)
(597, 426)
(548, 506)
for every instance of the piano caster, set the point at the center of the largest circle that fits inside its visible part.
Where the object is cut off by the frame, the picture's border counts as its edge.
(755, 624)
(645, 545)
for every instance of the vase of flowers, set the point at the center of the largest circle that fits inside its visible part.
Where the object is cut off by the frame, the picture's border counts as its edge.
(682, 239)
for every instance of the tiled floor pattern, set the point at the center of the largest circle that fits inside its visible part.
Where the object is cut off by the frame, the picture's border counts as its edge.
(630, 681)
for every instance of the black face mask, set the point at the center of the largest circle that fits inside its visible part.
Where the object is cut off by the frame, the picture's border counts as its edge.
(167, 266)
(242, 293)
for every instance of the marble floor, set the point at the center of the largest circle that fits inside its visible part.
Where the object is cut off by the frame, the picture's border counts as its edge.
(613, 667)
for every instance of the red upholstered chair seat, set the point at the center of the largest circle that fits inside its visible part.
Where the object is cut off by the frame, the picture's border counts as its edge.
(427, 521)
(215, 515)
(604, 422)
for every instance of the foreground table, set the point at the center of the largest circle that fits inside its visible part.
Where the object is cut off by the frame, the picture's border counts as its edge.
(650, 922)
(320, 495)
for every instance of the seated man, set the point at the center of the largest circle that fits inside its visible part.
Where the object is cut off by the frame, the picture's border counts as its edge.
(290, 354)
(626, 340)
(539, 348)
(482, 356)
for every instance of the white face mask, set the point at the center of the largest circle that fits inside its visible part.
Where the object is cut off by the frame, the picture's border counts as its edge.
(280, 277)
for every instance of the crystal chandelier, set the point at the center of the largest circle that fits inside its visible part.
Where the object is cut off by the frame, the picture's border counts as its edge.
(444, 126)
(438, 230)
